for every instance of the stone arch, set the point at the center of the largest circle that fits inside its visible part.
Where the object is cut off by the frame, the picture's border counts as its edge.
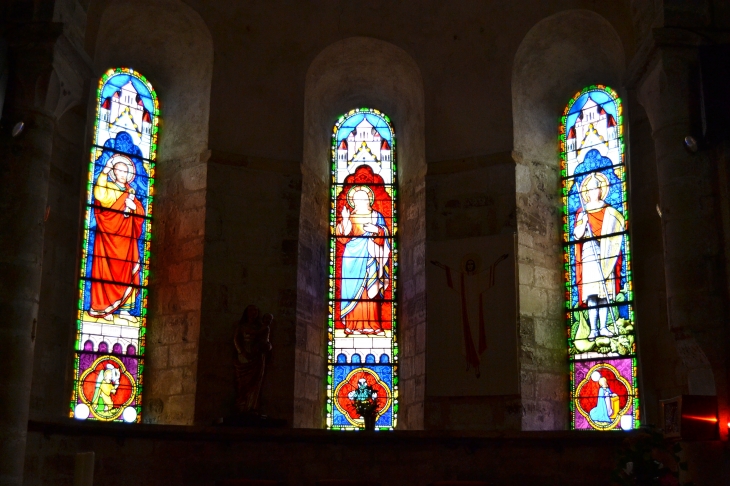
(560, 55)
(353, 72)
(169, 43)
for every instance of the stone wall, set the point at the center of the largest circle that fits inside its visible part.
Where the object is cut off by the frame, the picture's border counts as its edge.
(66, 99)
(250, 224)
(467, 198)
(250, 258)
(330, 91)
(311, 311)
(544, 359)
(559, 56)
(58, 303)
(693, 216)
(662, 371)
(411, 317)
(176, 280)
(170, 45)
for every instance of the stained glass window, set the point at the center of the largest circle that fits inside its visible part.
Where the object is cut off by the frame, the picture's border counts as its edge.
(362, 348)
(112, 306)
(598, 282)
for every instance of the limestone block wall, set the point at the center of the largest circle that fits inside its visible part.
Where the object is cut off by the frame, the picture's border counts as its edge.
(238, 229)
(662, 372)
(694, 269)
(467, 198)
(58, 303)
(66, 99)
(559, 56)
(178, 230)
(412, 301)
(250, 258)
(544, 377)
(311, 311)
(171, 46)
(330, 91)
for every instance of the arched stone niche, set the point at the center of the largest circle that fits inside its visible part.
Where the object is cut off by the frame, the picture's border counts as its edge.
(170, 44)
(350, 73)
(559, 56)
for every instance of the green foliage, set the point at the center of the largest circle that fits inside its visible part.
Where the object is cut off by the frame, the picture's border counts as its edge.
(621, 343)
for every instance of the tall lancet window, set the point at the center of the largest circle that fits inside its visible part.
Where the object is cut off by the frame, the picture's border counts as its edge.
(362, 348)
(110, 339)
(598, 282)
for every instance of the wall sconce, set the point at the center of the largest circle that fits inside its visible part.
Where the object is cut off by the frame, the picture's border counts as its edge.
(690, 143)
(17, 129)
(690, 417)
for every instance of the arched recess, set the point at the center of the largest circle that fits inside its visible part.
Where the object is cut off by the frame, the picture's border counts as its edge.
(170, 44)
(559, 56)
(351, 73)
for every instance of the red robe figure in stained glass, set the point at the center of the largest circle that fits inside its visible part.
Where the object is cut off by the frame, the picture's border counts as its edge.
(116, 260)
(364, 263)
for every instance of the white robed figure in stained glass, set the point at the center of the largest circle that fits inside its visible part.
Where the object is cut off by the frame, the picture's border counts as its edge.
(598, 256)
(364, 263)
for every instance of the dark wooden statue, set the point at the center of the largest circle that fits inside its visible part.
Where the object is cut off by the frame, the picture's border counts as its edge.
(253, 347)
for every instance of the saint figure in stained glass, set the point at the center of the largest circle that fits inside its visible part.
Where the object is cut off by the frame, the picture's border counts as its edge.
(116, 258)
(598, 229)
(364, 262)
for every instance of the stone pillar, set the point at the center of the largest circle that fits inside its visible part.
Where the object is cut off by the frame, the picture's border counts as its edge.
(691, 222)
(24, 173)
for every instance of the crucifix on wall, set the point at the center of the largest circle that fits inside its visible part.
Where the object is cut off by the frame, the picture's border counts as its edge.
(471, 281)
